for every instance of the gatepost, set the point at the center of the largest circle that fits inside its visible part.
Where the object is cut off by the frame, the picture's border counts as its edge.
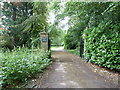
(44, 41)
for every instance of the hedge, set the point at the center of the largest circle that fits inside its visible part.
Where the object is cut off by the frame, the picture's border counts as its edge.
(102, 45)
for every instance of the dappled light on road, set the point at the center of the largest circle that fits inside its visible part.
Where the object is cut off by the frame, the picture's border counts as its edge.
(58, 49)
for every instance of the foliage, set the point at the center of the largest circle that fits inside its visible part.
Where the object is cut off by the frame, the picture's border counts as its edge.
(24, 21)
(101, 46)
(15, 12)
(56, 35)
(70, 42)
(6, 41)
(72, 37)
(21, 64)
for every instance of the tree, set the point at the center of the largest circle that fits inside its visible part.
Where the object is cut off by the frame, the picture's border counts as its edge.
(25, 21)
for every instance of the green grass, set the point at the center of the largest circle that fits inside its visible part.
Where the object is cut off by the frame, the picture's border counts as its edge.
(74, 51)
(20, 64)
(71, 51)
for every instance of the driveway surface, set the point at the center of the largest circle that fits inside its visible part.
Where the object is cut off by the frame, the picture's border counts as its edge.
(68, 71)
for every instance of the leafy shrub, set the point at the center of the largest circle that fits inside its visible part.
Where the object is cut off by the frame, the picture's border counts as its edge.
(20, 64)
(70, 42)
(101, 45)
(6, 41)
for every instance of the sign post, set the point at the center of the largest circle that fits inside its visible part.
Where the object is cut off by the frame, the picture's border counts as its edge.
(44, 41)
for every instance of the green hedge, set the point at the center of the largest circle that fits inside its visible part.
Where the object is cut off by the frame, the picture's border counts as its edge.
(102, 45)
(21, 64)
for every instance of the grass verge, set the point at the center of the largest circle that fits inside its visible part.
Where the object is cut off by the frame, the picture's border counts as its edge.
(74, 51)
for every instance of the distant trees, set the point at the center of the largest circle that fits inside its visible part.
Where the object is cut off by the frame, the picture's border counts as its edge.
(56, 35)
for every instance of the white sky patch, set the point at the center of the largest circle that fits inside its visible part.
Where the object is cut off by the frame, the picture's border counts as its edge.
(0, 22)
(63, 24)
(51, 17)
(3, 16)
(1, 3)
